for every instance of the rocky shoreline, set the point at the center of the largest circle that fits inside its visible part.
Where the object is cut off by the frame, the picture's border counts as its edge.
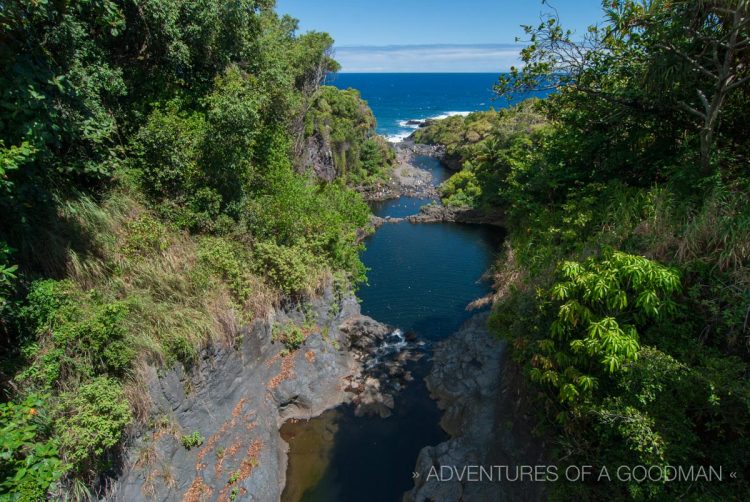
(237, 398)
(411, 181)
(487, 419)
(437, 213)
(407, 179)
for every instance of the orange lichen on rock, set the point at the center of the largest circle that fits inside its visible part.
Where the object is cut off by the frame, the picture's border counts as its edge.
(198, 491)
(251, 459)
(270, 362)
(241, 474)
(310, 356)
(287, 369)
(238, 407)
(211, 442)
(229, 452)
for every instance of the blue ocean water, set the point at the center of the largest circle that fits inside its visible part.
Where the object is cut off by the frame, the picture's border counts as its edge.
(396, 98)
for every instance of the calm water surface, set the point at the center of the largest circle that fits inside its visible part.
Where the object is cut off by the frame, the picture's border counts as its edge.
(421, 277)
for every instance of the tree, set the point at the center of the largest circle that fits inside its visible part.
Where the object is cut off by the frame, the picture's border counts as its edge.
(652, 57)
(713, 44)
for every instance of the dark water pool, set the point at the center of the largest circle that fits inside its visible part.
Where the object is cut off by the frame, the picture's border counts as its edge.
(421, 277)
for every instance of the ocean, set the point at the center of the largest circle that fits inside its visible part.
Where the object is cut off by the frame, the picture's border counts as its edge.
(400, 101)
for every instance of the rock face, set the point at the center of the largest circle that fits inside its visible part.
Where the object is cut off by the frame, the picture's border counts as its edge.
(236, 398)
(470, 382)
(434, 213)
(317, 156)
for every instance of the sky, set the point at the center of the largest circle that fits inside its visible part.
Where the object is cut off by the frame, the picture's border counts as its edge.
(431, 35)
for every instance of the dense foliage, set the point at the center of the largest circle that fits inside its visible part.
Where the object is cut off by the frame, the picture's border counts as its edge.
(343, 123)
(153, 200)
(625, 288)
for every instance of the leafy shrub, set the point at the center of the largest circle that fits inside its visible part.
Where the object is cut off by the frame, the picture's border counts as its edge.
(166, 151)
(30, 461)
(192, 440)
(599, 305)
(461, 189)
(88, 334)
(291, 269)
(322, 220)
(230, 261)
(290, 335)
(144, 235)
(90, 421)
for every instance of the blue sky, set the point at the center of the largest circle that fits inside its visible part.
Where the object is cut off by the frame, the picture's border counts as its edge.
(431, 35)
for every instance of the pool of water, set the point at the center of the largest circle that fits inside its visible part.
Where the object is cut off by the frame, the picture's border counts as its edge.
(420, 279)
(407, 206)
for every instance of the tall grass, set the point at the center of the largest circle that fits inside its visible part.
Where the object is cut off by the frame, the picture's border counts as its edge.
(176, 302)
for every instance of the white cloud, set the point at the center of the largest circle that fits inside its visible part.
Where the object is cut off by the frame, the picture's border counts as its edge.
(429, 58)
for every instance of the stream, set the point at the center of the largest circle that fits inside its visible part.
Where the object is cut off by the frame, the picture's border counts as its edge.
(420, 279)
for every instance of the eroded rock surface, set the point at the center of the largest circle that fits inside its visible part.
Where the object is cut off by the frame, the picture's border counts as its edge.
(236, 398)
(436, 213)
(470, 382)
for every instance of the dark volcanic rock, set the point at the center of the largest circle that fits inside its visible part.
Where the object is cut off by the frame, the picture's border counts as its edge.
(237, 398)
(470, 381)
(318, 157)
(435, 213)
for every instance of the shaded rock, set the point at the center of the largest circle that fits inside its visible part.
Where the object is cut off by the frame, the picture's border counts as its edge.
(318, 157)
(435, 213)
(470, 381)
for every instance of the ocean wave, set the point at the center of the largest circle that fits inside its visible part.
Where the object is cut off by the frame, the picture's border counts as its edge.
(416, 123)
(397, 138)
(449, 114)
(413, 124)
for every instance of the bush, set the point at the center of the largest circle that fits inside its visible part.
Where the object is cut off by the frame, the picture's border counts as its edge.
(30, 461)
(461, 189)
(166, 151)
(91, 421)
(599, 306)
(143, 236)
(229, 261)
(320, 220)
(290, 335)
(291, 269)
(88, 334)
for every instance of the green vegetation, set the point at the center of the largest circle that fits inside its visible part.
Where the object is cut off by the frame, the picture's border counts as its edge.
(290, 335)
(154, 200)
(343, 123)
(485, 145)
(192, 440)
(624, 289)
(25, 449)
